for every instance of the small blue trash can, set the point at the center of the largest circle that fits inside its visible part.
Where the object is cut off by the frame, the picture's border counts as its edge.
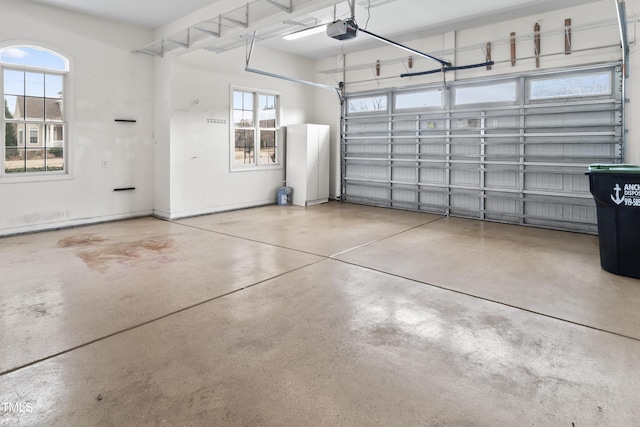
(284, 196)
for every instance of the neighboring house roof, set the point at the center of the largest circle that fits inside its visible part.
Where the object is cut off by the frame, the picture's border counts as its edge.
(33, 104)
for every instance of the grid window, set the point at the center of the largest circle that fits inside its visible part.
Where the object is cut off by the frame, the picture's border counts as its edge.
(33, 82)
(255, 129)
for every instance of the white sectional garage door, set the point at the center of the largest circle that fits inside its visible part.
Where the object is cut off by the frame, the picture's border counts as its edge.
(512, 150)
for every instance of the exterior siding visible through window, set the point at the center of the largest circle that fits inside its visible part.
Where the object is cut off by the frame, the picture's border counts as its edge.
(255, 129)
(33, 121)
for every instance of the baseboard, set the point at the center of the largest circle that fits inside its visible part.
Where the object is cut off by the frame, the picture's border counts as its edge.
(161, 214)
(217, 209)
(56, 225)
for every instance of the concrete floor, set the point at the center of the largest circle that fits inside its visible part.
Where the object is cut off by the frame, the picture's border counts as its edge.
(331, 315)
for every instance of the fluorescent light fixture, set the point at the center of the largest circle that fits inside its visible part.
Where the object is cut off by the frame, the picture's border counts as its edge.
(306, 32)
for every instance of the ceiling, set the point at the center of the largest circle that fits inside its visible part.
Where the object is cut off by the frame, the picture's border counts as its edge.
(146, 13)
(400, 20)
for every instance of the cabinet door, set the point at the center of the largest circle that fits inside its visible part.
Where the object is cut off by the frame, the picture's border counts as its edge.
(297, 169)
(313, 179)
(323, 162)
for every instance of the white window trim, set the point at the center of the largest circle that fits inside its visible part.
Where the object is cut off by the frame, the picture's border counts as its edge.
(279, 135)
(69, 87)
(31, 129)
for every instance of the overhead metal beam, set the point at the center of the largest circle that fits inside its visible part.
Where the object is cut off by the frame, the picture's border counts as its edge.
(401, 46)
(445, 69)
(293, 79)
(249, 48)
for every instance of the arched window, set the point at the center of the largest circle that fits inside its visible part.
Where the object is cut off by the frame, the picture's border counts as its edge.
(34, 84)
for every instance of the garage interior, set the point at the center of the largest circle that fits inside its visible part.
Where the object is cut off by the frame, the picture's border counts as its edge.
(449, 277)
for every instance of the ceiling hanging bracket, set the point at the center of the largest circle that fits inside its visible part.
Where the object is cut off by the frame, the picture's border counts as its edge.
(149, 52)
(238, 22)
(207, 31)
(287, 9)
(179, 43)
(249, 48)
(154, 49)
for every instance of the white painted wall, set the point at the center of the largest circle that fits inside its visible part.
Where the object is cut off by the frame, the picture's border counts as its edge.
(107, 82)
(327, 111)
(200, 177)
(177, 161)
(162, 139)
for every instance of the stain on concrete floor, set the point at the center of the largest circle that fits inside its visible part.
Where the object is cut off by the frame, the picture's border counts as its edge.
(99, 254)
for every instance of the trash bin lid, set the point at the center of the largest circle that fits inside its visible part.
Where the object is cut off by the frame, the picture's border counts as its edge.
(614, 168)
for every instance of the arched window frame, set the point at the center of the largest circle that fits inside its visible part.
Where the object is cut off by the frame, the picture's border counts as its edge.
(50, 157)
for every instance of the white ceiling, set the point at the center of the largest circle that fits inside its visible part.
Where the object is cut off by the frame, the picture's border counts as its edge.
(146, 13)
(400, 20)
(405, 20)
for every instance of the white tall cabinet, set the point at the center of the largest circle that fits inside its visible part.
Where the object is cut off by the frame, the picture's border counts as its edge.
(308, 163)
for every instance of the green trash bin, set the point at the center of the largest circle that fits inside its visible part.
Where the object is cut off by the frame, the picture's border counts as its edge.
(616, 190)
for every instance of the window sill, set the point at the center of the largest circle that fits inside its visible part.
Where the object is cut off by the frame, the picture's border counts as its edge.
(256, 168)
(11, 179)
